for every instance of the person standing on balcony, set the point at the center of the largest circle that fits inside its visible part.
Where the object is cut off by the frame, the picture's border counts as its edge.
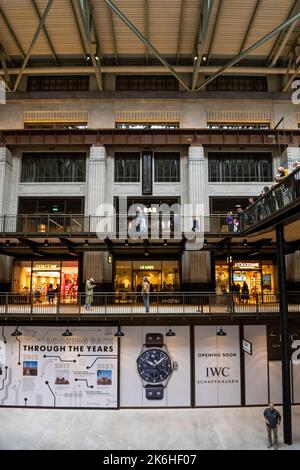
(146, 293)
(273, 419)
(229, 221)
(89, 293)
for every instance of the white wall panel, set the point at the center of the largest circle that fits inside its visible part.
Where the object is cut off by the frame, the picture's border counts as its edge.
(256, 366)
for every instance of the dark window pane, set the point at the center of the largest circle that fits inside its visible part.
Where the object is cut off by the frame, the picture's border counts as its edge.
(53, 167)
(233, 167)
(127, 167)
(238, 83)
(58, 83)
(167, 167)
(146, 83)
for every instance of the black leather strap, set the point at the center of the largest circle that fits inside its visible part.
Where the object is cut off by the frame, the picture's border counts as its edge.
(154, 392)
(154, 339)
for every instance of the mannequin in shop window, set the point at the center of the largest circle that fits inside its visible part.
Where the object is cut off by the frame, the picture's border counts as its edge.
(140, 222)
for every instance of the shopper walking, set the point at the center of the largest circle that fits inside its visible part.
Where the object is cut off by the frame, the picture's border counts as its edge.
(245, 292)
(273, 420)
(89, 293)
(146, 293)
(50, 294)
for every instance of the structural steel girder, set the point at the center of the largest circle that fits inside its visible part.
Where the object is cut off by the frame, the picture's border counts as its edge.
(95, 30)
(4, 67)
(180, 29)
(34, 39)
(96, 63)
(146, 42)
(245, 53)
(291, 13)
(12, 33)
(146, 16)
(215, 27)
(79, 31)
(34, 4)
(113, 34)
(200, 38)
(253, 16)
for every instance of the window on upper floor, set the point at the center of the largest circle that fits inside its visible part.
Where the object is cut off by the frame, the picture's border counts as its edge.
(239, 167)
(127, 167)
(238, 125)
(147, 125)
(53, 167)
(166, 167)
(238, 83)
(146, 83)
(58, 83)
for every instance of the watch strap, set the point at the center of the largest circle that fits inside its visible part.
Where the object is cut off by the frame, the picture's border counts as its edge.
(154, 392)
(154, 339)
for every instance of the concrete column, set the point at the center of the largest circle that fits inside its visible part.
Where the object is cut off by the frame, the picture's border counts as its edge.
(5, 179)
(196, 265)
(95, 263)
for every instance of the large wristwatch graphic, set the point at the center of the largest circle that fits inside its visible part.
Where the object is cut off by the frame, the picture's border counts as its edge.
(155, 366)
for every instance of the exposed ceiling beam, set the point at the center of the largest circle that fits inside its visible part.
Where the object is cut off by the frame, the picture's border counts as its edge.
(34, 247)
(45, 32)
(69, 245)
(289, 81)
(113, 34)
(79, 31)
(12, 33)
(277, 41)
(34, 39)
(145, 69)
(282, 45)
(245, 53)
(6, 75)
(146, 42)
(96, 63)
(214, 31)
(200, 38)
(253, 16)
(292, 48)
(180, 29)
(146, 16)
(95, 30)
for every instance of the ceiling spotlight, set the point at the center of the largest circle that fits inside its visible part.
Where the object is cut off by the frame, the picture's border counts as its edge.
(7, 243)
(86, 243)
(96, 57)
(221, 332)
(146, 252)
(46, 243)
(204, 58)
(126, 243)
(88, 57)
(119, 333)
(195, 58)
(165, 243)
(16, 332)
(205, 242)
(170, 332)
(245, 242)
(67, 333)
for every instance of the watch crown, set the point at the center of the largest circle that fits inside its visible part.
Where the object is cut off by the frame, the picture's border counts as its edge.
(175, 365)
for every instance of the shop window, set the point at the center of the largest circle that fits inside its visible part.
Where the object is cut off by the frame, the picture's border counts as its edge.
(35, 277)
(55, 125)
(51, 205)
(238, 83)
(127, 168)
(58, 83)
(238, 125)
(239, 167)
(146, 83)
(167, 167)
(147, 125)
(53, 167)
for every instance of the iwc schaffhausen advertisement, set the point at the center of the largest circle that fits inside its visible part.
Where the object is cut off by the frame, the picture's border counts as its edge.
(155, 366)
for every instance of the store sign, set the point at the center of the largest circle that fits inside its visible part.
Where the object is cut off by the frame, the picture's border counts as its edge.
(46, 267)
(274, 342)
(247, 347)
(217, 367)
(246, 266)
(146, 266)
(54, 371)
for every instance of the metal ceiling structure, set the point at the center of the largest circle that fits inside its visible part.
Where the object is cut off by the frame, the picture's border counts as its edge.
(194, 40)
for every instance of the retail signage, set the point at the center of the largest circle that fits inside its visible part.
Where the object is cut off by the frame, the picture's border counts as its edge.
(246, 265)
(274, 342)
(217, 366)
(146, 266)
(247, 347)
(46, 369)
(46, 267)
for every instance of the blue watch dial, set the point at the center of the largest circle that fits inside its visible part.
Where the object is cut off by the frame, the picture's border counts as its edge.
(154, 365)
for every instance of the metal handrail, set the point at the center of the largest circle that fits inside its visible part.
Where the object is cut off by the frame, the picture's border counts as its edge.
(280, 195)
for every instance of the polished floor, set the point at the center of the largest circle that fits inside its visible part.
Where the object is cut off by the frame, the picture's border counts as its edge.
(161, 429)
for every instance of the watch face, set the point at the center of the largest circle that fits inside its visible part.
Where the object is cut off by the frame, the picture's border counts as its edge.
(154, 365)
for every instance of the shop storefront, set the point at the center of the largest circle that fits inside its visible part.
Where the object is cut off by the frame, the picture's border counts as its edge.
(258, 276)
(36, 276)
(163, 276)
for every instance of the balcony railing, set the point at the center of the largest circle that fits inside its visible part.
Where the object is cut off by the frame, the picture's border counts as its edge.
(281, 195)
(128, 304)
(115, 226)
